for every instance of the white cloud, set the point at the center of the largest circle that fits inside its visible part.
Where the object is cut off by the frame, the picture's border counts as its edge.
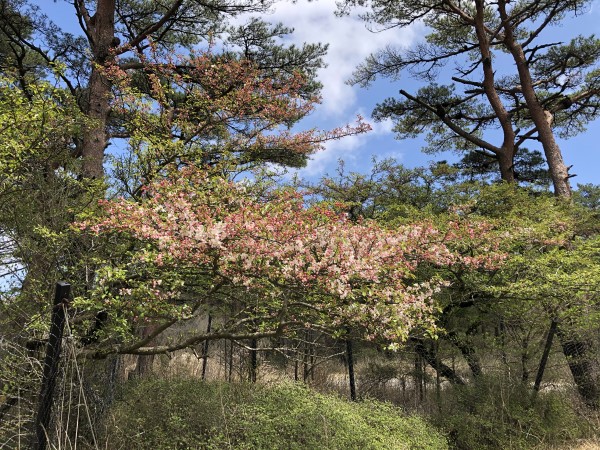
(350, 42)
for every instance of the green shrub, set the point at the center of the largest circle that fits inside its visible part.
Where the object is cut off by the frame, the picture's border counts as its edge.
(491, 414)
(187, 414)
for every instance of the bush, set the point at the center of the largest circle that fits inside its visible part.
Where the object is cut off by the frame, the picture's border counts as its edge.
(490, 414)
(187, 414)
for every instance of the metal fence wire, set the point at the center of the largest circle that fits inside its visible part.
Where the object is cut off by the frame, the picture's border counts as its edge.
(34, 415)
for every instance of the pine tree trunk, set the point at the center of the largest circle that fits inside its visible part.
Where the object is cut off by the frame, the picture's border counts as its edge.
(95, 137)
(506, 164)
(542, 120)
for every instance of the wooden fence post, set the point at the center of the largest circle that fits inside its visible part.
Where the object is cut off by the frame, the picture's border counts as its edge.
(42, 420)
(350, 358)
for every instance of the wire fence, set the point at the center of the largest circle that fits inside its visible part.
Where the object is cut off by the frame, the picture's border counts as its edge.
(20, 377)
(73, 408)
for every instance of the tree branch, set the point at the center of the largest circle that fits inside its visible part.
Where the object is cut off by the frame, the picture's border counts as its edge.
(458, 130)
(151, 28)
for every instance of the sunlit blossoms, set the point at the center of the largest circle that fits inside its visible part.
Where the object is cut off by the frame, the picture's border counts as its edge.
(294, 262)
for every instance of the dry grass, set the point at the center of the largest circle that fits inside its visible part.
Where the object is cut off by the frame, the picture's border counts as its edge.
(588, 445)
(580, 445)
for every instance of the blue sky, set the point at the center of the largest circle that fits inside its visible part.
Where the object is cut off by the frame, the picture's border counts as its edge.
(349, 43)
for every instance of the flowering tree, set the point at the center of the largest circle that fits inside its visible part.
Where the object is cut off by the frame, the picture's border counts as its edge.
(199, 243)
(206, 108)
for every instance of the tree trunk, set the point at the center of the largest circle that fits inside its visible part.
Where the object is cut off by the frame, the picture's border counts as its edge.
(433, 360)
(205, 348)
(95, 139)
(545, 355)
(542, 119)
(506, 152)
(525, 359)
(558, 169)
(351, 379)
(144, 364)
(468, 352)
(51, 362)
(253, 360)
(230, 373)
(506, 164)
(419, 394)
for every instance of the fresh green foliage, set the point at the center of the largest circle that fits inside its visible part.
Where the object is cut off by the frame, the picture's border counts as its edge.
(40, 191)
(187, 414)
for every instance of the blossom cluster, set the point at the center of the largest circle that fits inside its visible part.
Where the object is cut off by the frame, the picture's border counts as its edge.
(358, 273)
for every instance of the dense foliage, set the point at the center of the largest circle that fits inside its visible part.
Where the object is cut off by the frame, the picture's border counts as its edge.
(185, 414)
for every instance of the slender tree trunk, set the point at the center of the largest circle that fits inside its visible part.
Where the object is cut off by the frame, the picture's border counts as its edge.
(224, 360)
(230, 373)
(351, 379)
(305, 353)
(438, 388)
(312, 359)
(308, 357)
(545, 355)
(525, 359)
(418, 379)
(506, 153)
(403, 385)
(296, 377)
(253, 360)
(51, 361)
(205, 348)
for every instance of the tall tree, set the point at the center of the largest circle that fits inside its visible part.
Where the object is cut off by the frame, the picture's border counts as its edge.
(132, 33)
(552, 89)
